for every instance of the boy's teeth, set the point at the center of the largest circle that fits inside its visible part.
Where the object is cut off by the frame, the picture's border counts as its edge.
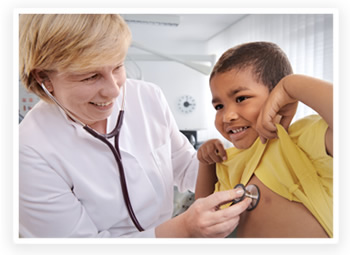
(238, 130)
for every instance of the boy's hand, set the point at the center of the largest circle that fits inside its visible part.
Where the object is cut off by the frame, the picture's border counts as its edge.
(280, 108)
(212, 151)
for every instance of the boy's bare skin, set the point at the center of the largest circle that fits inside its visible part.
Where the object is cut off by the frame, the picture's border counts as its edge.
(276, 216)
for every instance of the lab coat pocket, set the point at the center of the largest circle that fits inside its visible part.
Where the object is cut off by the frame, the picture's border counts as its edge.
(162, 160)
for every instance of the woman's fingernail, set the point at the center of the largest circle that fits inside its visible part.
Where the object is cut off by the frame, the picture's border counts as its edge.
(239, 191)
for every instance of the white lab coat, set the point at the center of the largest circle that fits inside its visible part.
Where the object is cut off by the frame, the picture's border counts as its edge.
(69, 181)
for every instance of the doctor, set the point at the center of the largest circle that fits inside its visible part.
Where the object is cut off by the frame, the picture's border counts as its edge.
(74, 179)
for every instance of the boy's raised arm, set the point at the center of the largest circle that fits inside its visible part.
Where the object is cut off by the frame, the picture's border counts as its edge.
(315, 93)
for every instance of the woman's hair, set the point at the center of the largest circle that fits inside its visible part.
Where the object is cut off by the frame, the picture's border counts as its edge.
(74, 42)
(268, 63)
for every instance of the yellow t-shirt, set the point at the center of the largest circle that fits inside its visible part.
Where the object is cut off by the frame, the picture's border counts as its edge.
(295, 166)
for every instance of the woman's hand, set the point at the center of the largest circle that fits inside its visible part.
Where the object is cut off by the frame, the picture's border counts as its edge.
(212, 151)
(205, 219)
(280, 108)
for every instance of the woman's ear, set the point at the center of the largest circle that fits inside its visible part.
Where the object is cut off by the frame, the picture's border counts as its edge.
(42, 77)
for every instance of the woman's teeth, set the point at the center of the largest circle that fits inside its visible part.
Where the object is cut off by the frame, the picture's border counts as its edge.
(101, 104)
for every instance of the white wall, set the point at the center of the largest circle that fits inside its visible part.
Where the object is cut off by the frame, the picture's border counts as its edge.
(177, 80)
(307, 40)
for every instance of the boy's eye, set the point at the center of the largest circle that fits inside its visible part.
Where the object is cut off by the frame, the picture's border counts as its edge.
(241, 99)
(218, 106)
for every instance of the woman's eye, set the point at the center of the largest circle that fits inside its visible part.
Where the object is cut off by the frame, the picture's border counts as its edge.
(118, 67)
(218, 107)
(240, 99)
(93, 77)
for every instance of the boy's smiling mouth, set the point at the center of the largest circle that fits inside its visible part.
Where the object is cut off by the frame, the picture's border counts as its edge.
(236, 134)
(234, 130)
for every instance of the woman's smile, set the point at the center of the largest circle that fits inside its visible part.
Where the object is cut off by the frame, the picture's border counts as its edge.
(103, 105)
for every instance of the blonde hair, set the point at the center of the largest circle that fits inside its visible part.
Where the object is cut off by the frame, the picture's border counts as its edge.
(74, 42)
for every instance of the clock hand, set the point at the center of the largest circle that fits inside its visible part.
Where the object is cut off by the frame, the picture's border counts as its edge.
(187, 104)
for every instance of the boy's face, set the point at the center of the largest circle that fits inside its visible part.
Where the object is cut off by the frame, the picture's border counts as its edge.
(238, 99)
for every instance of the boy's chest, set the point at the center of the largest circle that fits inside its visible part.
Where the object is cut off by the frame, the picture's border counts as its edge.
(277, 217)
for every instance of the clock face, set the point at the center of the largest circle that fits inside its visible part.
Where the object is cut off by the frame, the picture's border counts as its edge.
(186, 104)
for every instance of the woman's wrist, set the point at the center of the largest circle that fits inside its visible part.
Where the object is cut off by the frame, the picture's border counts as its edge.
(174, 228)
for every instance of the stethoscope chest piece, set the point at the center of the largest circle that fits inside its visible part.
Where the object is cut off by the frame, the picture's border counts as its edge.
(252, 191)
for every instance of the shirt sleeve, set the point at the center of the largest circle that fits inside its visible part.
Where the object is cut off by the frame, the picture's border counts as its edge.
(309, 134)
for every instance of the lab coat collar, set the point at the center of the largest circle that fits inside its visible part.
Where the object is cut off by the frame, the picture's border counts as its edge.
(111, 120)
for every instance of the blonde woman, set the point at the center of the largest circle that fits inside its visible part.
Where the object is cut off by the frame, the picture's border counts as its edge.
(84, 171)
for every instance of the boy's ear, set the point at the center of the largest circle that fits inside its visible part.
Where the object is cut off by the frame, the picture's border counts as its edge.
(42, 77)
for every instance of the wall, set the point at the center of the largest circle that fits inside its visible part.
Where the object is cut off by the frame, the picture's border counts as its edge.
(177, 80)
(307, 40)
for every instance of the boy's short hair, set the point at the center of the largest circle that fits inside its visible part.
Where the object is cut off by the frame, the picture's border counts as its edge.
(268, 62)
(74, 42)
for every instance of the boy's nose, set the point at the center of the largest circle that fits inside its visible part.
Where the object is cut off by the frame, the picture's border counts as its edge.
(230, 115)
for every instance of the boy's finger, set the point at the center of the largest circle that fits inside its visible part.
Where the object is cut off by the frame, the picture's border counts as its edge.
(202, 158)
(285, 122)
(263, 140)
(216, 158)
(220, 151)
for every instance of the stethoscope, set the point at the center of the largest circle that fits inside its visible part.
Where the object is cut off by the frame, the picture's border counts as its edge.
(115, 150)
(252, 191)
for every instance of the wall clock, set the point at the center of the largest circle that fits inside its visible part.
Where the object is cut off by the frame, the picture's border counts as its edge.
(186, 104)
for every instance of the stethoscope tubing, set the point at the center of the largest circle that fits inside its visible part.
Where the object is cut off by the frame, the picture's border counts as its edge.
(114, 150)
(117, 156)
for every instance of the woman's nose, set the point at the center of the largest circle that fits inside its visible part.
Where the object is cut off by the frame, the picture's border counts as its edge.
(111, 87)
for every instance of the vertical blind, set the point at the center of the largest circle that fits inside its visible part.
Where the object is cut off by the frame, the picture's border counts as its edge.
(307, 39)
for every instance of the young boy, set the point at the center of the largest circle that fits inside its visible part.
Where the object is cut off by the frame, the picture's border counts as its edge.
(255, 96)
